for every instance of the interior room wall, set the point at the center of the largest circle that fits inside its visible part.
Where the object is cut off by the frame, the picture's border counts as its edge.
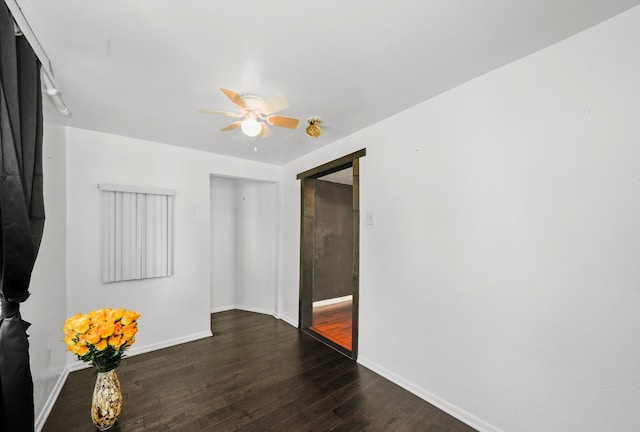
(500, 277)
(46, 308)
(174, 309)
(224, 191)
(257, 276)
(245, 239)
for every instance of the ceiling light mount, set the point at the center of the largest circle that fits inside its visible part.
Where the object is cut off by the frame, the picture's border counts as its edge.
(313, 130)
(250, 126)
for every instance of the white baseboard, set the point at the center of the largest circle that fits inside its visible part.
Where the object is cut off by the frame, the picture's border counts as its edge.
(169, 343)
(286, 319)
(255, 309)
(243, 308)
(223, 308)
(289, 320)
(455, 411)
(332, 301)
(51, 400)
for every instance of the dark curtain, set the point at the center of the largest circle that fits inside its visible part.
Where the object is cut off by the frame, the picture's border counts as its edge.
(21, 216)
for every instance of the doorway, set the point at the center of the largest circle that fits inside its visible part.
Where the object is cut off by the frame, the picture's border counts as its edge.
(329, 253)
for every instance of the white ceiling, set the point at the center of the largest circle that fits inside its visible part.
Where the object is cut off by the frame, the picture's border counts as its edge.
(142, 68)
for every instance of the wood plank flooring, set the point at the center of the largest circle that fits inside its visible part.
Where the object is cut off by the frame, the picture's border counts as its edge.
(334, 322)
(255, 374)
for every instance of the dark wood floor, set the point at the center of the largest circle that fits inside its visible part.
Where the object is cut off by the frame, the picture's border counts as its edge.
(334, 322)
(256, 374)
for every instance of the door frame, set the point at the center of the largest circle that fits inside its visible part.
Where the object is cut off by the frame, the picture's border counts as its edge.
(307, 227)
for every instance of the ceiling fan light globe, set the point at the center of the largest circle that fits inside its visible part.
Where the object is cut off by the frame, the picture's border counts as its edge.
(251, 127)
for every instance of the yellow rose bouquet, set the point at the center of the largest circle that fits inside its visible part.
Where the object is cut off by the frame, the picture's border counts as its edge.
(101, 337)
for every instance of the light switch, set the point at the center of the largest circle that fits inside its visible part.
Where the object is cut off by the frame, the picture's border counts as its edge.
(369, 218)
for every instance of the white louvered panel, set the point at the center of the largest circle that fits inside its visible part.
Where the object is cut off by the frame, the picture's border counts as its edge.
(157, 235)
(162, 271)
(133, 246)
(112, 236)
(118, 236)
(126, 236)
(137, 233)
(140, 254)
(107, 230)
(169, 234)
(129, 253)
(151, 235)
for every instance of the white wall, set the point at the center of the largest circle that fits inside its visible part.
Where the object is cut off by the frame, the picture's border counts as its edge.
(501, 277)
(174, 309)
(245, 238)
(46, 308)
(223, 243)
(258, 214)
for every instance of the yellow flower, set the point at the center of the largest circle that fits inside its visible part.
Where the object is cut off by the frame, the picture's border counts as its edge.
(78, 323)
(118, 314)
(68, 324)
(129, 331)
(92, 338)
(109, 316)
(79, 349)
(105, 329)
(116, 341)
(102, 345)
(117, 328)
(129, 317)
(69, 338)
(96, 315)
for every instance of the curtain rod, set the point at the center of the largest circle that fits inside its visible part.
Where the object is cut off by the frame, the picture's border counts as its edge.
(22, 27)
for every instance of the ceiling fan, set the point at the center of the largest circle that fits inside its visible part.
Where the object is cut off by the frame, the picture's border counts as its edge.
(256, 114)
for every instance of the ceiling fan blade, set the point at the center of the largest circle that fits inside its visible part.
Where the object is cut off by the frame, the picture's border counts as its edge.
(235, 97)
(232, 126)
(265, 132)
(282, 121)
(230, 114)
(275, 103)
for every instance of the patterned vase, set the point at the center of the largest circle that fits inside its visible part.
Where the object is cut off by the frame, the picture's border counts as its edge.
(107, 400)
